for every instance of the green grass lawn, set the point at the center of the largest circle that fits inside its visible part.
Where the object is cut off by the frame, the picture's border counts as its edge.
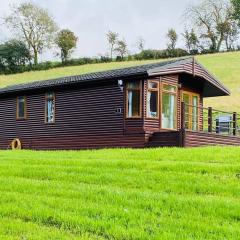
(121, 194)
(226, 66)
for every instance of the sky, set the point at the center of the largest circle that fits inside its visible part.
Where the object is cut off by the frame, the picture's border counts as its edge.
(90, 20)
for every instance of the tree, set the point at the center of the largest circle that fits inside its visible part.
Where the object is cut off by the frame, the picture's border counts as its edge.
(112, 40)
(34, 25)
(13, 55)
(121, 48)
(231, 35)
(66, 41)
(141, 44)
(212, 19)
(172, 38)
(191, 41)
(236, 11)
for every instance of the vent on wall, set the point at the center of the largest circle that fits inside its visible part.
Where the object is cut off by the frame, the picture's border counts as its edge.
(118, 110)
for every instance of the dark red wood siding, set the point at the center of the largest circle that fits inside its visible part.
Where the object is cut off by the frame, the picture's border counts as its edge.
(85, 118)
(197, 139)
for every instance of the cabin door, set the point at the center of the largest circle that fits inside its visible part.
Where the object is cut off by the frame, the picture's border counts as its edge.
(191, 101)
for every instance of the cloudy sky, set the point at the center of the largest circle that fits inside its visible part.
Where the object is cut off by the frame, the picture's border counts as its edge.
(91, 20)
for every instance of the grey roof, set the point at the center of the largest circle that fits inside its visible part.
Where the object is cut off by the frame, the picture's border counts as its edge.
(104, 75)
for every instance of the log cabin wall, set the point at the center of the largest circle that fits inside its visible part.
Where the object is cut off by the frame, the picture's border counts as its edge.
(198, 139)
(85, 117)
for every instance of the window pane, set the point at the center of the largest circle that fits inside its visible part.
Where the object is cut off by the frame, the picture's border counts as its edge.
(133, 103)
(50, 110)
(169, 88)
(133, 85)
(186, 100)
(50, 95)
(168, 111)
(195, 113)
(153, 85)
(152, 104)
(21, 107)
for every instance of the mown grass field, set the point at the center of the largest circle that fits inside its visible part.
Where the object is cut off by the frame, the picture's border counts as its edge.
(121, 194)
(225, 66)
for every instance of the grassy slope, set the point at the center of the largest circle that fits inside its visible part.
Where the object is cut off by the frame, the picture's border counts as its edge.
(121, 194)
(226, 66)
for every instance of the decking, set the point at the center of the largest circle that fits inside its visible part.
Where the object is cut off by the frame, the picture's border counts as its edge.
(211, 131)
(190, 138)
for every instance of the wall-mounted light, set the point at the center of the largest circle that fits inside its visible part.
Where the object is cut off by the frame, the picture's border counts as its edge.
(120, 84)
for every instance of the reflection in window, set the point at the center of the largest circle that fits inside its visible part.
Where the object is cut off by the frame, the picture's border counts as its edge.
(50, 108)
(133, 99)
(169, 107)
(195, 113)
(191, 101)
(169, 88)
(21, 107)
(152, 99)
(186, 100)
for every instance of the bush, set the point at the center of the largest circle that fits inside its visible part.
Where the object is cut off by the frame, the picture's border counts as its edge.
(157, 54)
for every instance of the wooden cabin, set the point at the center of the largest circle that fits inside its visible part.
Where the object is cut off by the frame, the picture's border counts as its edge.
(152, 105)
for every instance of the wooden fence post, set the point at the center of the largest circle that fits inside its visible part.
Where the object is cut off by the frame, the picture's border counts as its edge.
(234, 124)
(210, 123)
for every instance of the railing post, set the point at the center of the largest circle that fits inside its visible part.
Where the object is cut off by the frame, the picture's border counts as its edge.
(182, 131)
(234, 124)
(210, 123)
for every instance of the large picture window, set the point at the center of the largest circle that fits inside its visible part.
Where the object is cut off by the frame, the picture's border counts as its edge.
(133, 97)
(50, 107)
(21, 107)
(169, 106)
(152, 99)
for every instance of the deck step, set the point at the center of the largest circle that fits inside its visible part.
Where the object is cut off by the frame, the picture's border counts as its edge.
(164, 139)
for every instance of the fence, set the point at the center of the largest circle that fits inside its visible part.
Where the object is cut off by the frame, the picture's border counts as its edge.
(210, 120)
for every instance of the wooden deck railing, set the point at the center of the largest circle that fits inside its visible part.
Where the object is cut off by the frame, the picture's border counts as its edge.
(210, 120)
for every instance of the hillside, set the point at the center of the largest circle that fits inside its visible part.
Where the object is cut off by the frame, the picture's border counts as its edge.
(121, 194)
(226, 66)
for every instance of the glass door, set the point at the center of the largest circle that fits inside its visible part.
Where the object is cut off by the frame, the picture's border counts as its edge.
(195, 111)
(186, 99)
(169, 107)
(191, 101)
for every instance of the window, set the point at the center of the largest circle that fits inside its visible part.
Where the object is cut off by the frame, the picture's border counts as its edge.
(191, 101)
(169, 106)
(195, 101)
(50, 107)
(21, 107)
(133, 97)
(152, 99)
(186, 100)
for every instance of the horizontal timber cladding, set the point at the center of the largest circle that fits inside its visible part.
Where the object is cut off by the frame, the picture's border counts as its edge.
(165, 139)
(197, 139)
(85, 117)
